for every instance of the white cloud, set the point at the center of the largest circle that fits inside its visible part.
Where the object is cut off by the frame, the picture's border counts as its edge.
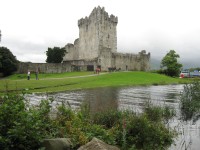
(30, 27)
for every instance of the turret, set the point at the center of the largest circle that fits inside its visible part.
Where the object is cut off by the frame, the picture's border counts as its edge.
(98, 15)
(96, 33)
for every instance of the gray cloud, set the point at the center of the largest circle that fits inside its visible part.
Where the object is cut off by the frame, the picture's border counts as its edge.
(30, 27)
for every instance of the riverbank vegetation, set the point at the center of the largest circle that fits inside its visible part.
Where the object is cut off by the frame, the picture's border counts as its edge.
(190, 102)
(24, 126)
(83, 80)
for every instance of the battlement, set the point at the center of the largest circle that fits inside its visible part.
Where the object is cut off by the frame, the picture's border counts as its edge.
(97, 45)
(97, 15)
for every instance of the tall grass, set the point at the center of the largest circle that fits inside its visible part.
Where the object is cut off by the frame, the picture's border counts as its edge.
(190, 102)
(24, 126)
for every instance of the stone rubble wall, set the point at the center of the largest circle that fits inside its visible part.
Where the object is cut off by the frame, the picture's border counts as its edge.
(44, 67)
(131, 62)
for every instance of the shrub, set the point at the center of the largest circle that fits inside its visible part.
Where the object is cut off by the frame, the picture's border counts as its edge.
(190, 101)
(142, 133)
(23, 127)
(158, 113)
(108, 118)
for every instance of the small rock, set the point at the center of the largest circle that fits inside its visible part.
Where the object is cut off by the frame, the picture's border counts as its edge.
(57, 144)
(96, 144)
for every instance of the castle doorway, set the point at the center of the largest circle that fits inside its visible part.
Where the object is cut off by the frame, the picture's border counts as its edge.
(90, 67)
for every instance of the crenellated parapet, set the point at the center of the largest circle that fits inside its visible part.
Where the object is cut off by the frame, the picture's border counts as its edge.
(143, 53)
(97, 45)
(98, 15)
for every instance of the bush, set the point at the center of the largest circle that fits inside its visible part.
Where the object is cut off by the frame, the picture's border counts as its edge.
(190, 101)
(23, 127)
(158, 113)
(145, 134)
(108, 118)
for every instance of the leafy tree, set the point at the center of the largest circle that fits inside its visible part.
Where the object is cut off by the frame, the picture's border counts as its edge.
(193, 69)
(55, 55)
(170, 64)
(8, 62)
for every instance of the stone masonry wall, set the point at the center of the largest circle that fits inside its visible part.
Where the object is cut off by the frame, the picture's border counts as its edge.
(44, 67)
(131, 62)
(72, 52)
(98, 41)
(105, 59)
(96, 31)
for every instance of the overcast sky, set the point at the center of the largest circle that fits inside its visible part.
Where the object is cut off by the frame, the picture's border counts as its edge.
(29, 27)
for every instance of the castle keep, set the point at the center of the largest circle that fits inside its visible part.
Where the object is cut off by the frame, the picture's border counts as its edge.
(97, 46)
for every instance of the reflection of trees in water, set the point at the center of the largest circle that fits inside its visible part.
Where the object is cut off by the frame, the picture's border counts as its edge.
(102, 100)
(171, 96)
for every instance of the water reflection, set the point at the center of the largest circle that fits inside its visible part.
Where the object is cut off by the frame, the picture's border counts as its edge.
(116, 98)
(133, 98)
(102, 99)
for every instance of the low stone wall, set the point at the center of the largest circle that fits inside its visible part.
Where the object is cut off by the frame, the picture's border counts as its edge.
(44, 67)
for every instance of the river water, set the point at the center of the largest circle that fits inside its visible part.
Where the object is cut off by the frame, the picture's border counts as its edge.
(132, 98)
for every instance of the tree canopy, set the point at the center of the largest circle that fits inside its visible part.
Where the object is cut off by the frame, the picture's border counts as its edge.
(55, 55)
(170, 63)
(8, 62)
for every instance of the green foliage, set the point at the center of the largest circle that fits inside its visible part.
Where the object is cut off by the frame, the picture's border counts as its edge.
(55, 55)
(170, 64)
(146, 134)
(24, 126)
(190, 101)
(193, 69)
(8, 62)
(145, 131)
(108, 118)
(158, 113)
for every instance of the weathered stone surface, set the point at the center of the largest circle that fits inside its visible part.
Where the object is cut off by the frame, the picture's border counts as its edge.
(43, 68)
(98, 40)
(95, 46)
(57, 144)
(96, 144)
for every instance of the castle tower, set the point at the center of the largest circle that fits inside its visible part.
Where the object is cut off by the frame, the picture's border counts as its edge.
(0, 35)
(97, 32)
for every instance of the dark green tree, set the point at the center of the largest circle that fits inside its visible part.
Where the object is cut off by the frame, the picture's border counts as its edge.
(170, 64)
(55, 55)
(8, 62)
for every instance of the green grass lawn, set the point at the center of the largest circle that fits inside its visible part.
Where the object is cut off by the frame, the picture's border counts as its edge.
(63, 82)
(48, 75)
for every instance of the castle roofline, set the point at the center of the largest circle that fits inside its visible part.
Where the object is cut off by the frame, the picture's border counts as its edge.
(98, 14)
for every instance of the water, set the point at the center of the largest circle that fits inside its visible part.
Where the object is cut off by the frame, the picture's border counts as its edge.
(132, 98)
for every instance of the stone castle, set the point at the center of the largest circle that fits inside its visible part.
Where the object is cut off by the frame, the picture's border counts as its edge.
(97, 46)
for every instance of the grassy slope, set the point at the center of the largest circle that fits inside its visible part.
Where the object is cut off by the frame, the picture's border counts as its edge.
(56, 82)
(49, 75)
